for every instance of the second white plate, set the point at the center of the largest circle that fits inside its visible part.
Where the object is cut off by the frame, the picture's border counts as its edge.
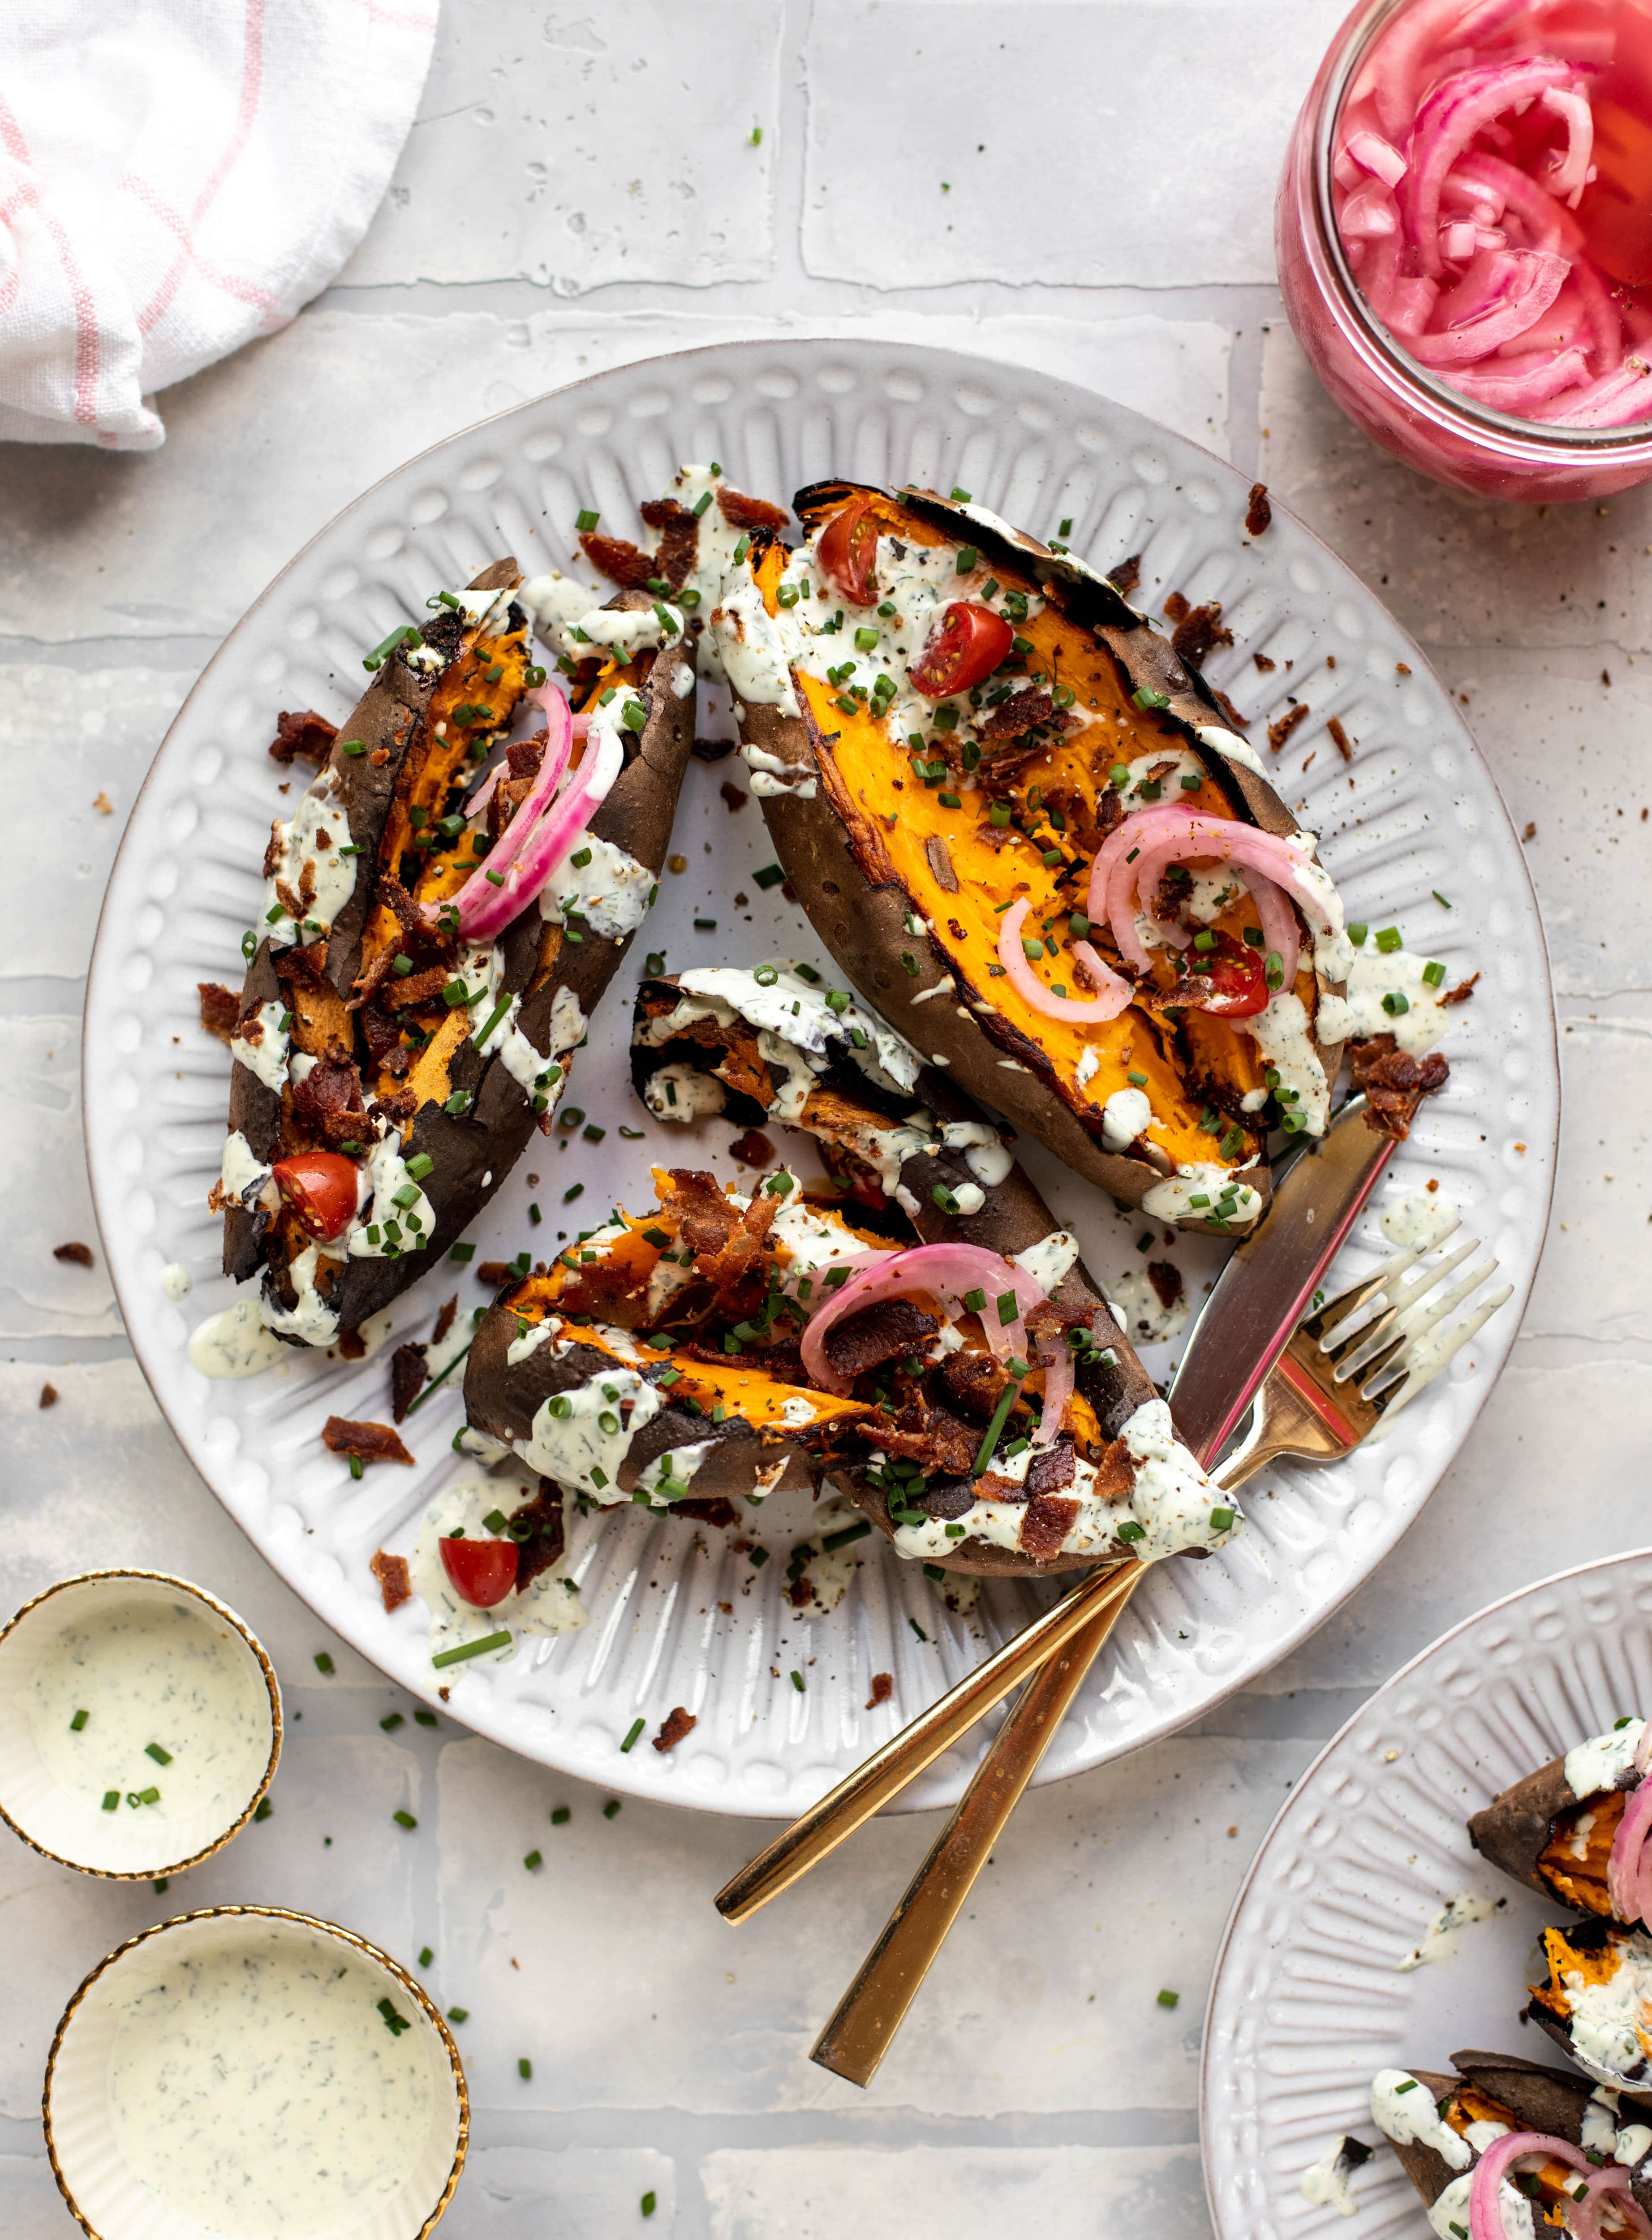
(681, 1616)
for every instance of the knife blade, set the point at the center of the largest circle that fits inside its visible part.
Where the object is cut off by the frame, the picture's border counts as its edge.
(1267, 1283)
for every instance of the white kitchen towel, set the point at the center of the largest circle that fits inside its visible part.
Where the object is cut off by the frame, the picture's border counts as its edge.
(175, 177)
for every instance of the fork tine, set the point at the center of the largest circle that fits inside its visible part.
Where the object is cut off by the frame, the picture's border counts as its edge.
(1332, 1319)
(1416, 1305)
(1418, 1378)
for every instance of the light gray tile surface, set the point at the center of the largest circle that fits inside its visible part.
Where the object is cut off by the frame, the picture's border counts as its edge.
(602, 154)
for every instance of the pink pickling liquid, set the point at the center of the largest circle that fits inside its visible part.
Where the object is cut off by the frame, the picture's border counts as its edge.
(1465, 238)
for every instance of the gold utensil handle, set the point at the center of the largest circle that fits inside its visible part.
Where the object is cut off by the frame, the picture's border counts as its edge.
(825, 1825)
(874, 2005)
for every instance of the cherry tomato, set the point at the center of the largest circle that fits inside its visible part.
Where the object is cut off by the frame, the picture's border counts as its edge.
(321, 1188)
(968, 646)
(1235, 986)
(481, 1572)
(847, 552)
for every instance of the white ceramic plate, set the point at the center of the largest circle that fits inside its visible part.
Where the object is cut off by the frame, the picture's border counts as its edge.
(678, 1617)
(1308, 2000)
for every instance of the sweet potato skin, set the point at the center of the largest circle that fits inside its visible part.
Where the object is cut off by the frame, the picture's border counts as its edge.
(473, 1153)
(1551, 2100)
(1513, 1829)
(865, 925)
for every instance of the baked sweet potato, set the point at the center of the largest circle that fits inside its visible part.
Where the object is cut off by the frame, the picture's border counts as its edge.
(1555, 1829)
(1595, 2001)
(948, 723)
(925, 1413)
(389, 1070)
(1430, 2119)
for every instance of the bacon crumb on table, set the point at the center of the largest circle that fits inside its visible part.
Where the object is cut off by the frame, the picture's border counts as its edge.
(395, 1581)
(408, 1372)
(680, 1722)
(883, 1689)
(1128, 574)
(304, 733)
(445, 1321)
(371, 1442)
(80, 1254)
(1258, 513)
(752, 1150)
(1340, 739)
(1282, 727)
(48, 1396)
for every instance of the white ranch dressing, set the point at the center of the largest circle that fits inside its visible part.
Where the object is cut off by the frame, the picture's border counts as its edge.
(1325, 2182)
(1171, 1200)
(175, 1280)
(1402, 2111)
(1145, 1318)
(147, 1672)
(579, 1449)
(310, 1318)
(1127, 1115)
(235, 1343)
(676, 1468)
(987, 1159)
(1603, 2019)
(1448, 2217)
(1439, 1940)
(683, 1092)
(1419, 1220)
(1050, 1259)
(827, 1572)
(242, 1176)
(549, 1604)
(1284, 1036)
(1603, 2129)
(255, 2088)
(297, 848)
(794, 1008)
(385, 1224)
(1600, 1762)
(1360, 1009)
(609, 892)
(263, 1045)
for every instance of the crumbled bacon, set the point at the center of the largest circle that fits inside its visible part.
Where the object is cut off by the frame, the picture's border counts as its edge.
(80, 1254)
(220, 1008)
(1197, 630)
(1166, 1279)
(679, 1722)
(1395, 1084)
(1128, 574)
(1048, 1518)
(417, 988)
(679, 546)
(445, 1321)
(308, 735)
(352, 1345)
(371, 1442)
(877, 1334)
(328, 1102)
(408, 1372)
(1461, 992)
(974, 1381)
(395, 1581)
(934, 1437)
(1340, 739)
(711, 1510)
(743, 512)
(734, 800)
(622, 562)
(544, 1527)
(1021, 712)
(752, 1150)
(1282, 727)
(1258, 513)
(1239, 722)
(495, 1272)
(1051, 1469)
(883, 1689)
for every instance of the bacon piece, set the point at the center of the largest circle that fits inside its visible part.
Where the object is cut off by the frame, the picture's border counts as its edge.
(1166, 1280)
(352, 1345)
(877, 1334)
(546, 1526)
(712, 1509)
(1048, 1520)
(680, 1721)
(381, 1034)
(1239, 723)
(1258, 513)
(1461, 992)
(1128, 574)
(495, 1272)
(372, 1442)
(734, 800)
(935, 848)
(48, 1396)
(883, 1689)
(1051, 1469)
(408, 1372)
(1282, 727)
(1395, 1083)
(934, 1437)
(1340, 739)
(1021, 711)
(752, 1150)
(743, 512)
(80, 1254)
(307, 735)
(445, 1321)
(220, 1008)
(395, 1581)
(417, 987)
(1198, 630)
(329, 1101)
(679, 545)
(974, 1382)
(622, 562)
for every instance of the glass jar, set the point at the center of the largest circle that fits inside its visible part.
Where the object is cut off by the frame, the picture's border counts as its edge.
(1387, 393)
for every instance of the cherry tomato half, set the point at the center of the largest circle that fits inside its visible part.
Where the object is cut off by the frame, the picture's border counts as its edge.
(964, 651)
(481, 1572)
(1235, 986)
(321, 1188)
(847, 552)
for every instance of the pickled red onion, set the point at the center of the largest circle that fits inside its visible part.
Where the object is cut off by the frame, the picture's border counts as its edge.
(1181, 836)
(1114, 992)
(1628, 1868)
(946, 1272)
(1474, 127)
(1485, 2209)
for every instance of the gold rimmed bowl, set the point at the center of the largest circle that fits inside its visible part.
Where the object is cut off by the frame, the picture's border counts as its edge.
(251, 2073)
(140, 1723)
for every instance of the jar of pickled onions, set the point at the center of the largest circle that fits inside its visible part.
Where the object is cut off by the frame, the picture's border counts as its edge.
(1464, 230)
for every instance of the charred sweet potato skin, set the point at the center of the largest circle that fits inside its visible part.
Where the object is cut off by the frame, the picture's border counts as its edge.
(1504, 2089)
(474, 1151)
(1542, 1835)
(860, 873)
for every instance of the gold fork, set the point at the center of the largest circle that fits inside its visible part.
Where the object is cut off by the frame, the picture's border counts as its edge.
(1347, 1371)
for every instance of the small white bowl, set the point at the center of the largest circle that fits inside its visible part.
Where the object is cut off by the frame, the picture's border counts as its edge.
(132, 2171)
(118, 1623)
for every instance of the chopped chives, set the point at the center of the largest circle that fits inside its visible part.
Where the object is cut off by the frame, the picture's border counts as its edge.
(324, 1662)
(404, 1820)
(611, 1807)
(534, 1860)
(78, 1721)
(425, 1956)
(525, 2068)
(161, 1756)
(424, 1719)
(460, 1652)
(390, 1723)
(112, 1798)
(630, 1739)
